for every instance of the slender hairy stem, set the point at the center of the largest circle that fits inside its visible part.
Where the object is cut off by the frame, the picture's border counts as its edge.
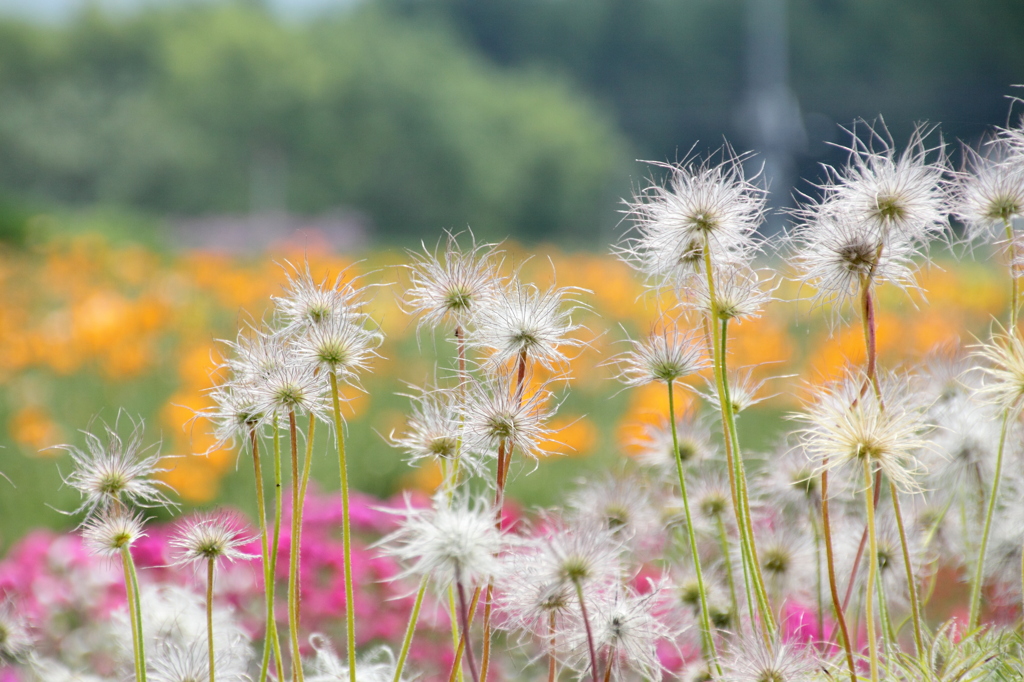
(813, 518)
(410, 630)
(293, 553)
(485, 656)
(830, 562)
(729, 415)
(862, 546)
(464, 614)
(711, 331)
(261, 512)
(346, 529)
(872, 570)
(586, 626)
(553, 643)
(888, 633)
(126, 558)
(504, 464)
(452, 480)
(456, 637)
(723, 539)
(979, 571)
(1014, 294)
(275, 545)
(707, 634)
(209, 614)
(461, 646)
(129, 587)
(915, 605)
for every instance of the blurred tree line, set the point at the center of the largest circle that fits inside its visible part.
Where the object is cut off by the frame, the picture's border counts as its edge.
(224, 108)
(511, 116)
(677, 71)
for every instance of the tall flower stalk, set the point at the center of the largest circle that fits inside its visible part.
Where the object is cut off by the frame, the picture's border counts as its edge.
(666, 358)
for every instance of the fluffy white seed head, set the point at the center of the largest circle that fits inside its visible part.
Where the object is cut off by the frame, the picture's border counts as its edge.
(495, 414)
(655, 447)
(989, 192)
(376, 665)
(523, 321)
(112, 531)
(751, 659)
(308, 303)
(665, 356)
(837, 255)
(1002, 365)
(338, 344)
(234, 415)
(116, 471)
(448, 543)
(739, 292)
(450, 284)
(15, 640)
(433, 430)
(624, 504)
(210, 537)
(708, 210)
(627, 629)
(577, 554)
(884, 192)
(292, 387)
(846, 427)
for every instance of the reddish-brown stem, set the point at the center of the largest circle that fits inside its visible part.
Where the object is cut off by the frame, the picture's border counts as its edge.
(833, 587)
(457, 662)
(586, 626)
(464, 613)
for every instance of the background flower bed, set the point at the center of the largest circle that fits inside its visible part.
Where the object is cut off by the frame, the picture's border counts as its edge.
(89, 324)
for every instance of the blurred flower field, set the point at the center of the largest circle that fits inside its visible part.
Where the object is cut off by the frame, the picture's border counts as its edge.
(88, 325)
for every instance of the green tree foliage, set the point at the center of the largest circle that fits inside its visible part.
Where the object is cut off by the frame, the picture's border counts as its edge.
(675, 72)
(223, 108)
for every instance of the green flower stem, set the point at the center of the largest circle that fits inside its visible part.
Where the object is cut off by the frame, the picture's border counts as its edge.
(872, 570)
(830, 562)
(728, 414)
(133, 613)
(137, 598)
(271, 587)
(863, 543)
(271, 634)
(813, 518)
(1014, 295)
(552, 659)
(452, 479)
(293, 553)
(979, 571)
(410, 630)
(915, 604)
(888, 633)
(209, 614)
(706, 632)
(723, 538)
(485, 657)
(730, 456)
(346, 530)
